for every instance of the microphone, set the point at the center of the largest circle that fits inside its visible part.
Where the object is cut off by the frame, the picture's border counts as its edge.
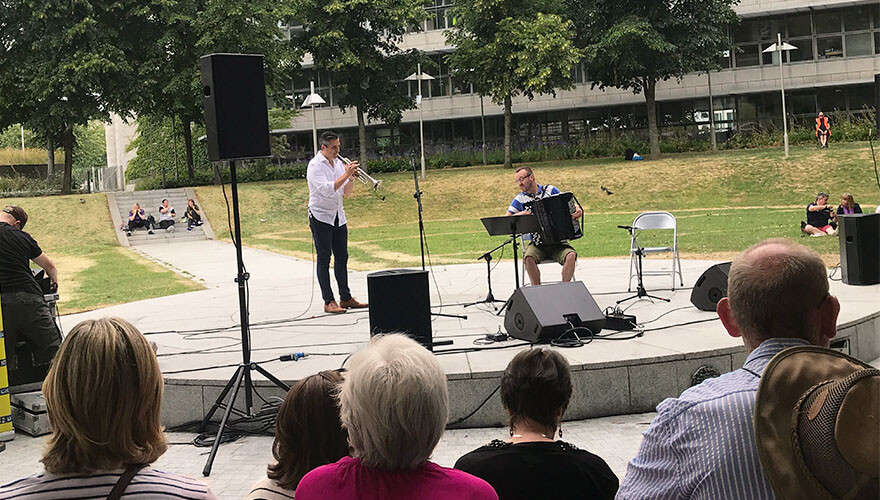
(296, 356)
(625, 227)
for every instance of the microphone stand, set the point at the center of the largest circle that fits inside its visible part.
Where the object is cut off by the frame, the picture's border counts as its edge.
(640, 289)
(490, 299)
(418, 196)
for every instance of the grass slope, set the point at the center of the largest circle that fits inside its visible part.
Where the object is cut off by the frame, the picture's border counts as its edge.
(724, 202)
(94, 271)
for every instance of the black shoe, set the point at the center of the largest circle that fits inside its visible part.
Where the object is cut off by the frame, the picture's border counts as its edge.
(149, 231)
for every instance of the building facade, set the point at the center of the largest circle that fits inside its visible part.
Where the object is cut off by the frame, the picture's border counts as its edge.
(831, 70)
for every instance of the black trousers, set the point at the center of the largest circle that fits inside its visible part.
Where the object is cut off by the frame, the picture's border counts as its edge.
(331, 239)
(148, 223)
(27, 316)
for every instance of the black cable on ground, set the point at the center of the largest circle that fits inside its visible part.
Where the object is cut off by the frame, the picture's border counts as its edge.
(475, 410)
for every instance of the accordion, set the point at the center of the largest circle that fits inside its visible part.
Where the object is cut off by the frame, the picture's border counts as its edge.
(554, 217)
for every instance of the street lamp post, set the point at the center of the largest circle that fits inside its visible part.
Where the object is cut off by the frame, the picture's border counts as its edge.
(418, 76)
(313, 100)
(712, 113)
(779, 48)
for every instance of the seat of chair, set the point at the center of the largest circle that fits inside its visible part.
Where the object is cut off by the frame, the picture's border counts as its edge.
(656, 249)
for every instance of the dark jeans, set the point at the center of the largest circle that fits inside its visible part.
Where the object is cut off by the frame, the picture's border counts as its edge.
(165, 224)
(331, 239)
(193, 219)
(148, 223)
(27, 316)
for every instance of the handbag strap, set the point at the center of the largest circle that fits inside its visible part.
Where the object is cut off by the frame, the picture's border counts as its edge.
(124, 480)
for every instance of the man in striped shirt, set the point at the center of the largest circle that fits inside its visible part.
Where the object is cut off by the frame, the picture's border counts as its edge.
(701, 445)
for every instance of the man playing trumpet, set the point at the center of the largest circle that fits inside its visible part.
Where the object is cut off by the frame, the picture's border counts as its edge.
(329, 180)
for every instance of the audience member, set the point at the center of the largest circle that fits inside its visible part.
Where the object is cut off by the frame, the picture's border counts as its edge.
(138, 218)
(166, 216)
(821, 217)
(193, 215)
(308, 434)
(817, 425)
(535, 390)
(702, 443)
(848, 205)
(394, 405)
(104, 395)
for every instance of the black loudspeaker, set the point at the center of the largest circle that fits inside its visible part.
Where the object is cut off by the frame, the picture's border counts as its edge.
(236, 116)
(400, 303)
(711, 287)
(542, 313)
(860, 248)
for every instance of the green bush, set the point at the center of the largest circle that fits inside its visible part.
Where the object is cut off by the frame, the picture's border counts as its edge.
(17, 186)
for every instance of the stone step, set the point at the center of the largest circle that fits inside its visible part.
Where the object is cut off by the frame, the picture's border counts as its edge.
(141, 237)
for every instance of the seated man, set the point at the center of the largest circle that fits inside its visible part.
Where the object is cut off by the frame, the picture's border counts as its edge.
(25, 312)
(821, 217)
(701, 445)
(166, 216)
(823, 130)
(533, 254)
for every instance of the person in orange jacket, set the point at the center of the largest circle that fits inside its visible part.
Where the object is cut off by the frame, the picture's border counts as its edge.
(823, 129)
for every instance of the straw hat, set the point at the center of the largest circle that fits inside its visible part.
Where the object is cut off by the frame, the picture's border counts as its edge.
(817, 425)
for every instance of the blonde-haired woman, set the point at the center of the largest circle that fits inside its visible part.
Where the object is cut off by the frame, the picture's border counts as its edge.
(394, 404)
(848, 205)
(104, 394)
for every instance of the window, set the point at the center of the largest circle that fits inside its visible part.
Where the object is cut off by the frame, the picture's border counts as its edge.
(829, 47)
(857, 18)
(746, 31)
(803, 52)
(769, 57)
(801, 103)
(877, 42)
(831, 100)
(861, 97)
(858, 45)
(747, 55)
(827, 22)
(799, 25)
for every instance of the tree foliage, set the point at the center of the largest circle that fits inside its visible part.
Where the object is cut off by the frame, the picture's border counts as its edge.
(65, 63)
(513, 47)
(633, 44)
(356, 42)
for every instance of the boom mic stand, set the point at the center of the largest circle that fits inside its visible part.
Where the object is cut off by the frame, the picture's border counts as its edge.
(243, 372)
(418, 196)
(490, 299)
(640, 290)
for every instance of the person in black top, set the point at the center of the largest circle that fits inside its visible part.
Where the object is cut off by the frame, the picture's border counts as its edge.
(821, 217)
(25, 311)
(535, 390)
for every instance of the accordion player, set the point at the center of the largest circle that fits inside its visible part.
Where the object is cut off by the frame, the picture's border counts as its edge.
(554, 214)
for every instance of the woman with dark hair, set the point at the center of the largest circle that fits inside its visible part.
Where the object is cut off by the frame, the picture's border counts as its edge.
(193, 214)
(535, 391)
(308, 434)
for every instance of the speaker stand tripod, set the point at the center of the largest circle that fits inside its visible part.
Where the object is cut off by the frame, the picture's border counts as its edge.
(641, 293)
(243, 372)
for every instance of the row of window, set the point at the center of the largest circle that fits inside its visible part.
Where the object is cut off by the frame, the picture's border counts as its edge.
(688, 117)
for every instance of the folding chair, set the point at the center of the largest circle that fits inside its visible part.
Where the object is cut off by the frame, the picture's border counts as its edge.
(651, 221)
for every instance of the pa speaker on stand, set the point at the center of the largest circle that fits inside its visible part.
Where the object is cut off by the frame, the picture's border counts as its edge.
(860, 249)
(400, 303)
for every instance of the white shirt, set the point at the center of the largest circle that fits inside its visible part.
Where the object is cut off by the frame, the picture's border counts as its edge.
(167, 215)
(325, 203)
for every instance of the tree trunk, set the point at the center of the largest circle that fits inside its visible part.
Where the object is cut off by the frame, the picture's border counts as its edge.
(362, 137)
(50, 163)
(188, 145)
(68, 141)
(508, 124)
(653, 130)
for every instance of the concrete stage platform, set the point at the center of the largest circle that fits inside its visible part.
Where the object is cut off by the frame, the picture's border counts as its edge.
(199, 340)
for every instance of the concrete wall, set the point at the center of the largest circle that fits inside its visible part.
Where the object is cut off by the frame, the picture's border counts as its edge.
(118, 134)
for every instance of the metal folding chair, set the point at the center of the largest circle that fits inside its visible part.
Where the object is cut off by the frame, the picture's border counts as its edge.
(652, 221)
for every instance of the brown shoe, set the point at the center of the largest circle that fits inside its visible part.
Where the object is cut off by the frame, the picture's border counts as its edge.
(352, 303)
(333, 308)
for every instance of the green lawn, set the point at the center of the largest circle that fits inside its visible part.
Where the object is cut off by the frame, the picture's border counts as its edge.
(724, 202)
(94, 271)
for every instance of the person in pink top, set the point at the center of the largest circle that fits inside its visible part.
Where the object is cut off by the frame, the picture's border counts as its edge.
(393, 403)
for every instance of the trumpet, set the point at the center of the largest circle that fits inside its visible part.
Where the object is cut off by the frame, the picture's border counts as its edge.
(363, 176)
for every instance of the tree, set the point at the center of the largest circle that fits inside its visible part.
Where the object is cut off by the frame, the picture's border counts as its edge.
(63, 64)
(181, 31)
(356, 43)
(513, 47)
(633, 44)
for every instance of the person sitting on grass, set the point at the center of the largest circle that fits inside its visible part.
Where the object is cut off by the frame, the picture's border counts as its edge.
(138, 218)
(166, 216)
(821, 217)
(394, 404)
(104, 398)
(193, 215)
(848, 205)
(308, 434)
(535, 390)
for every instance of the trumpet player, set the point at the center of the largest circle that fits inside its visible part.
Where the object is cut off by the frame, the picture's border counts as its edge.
(329, 180)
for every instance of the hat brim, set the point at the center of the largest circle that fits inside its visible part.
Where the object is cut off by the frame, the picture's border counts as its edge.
(785, 379)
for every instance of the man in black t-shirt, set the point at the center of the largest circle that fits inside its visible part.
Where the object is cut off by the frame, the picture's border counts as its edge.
(821, 218)
(25, 312)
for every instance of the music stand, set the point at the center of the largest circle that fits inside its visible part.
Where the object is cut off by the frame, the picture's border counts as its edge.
(514, 226)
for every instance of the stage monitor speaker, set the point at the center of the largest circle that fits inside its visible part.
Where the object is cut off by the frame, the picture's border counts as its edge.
(236, 115)
(711, 287)
(860, 248)
(400, 303)
(542, 313)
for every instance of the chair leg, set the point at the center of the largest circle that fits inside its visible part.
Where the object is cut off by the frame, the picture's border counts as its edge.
(630, 280)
